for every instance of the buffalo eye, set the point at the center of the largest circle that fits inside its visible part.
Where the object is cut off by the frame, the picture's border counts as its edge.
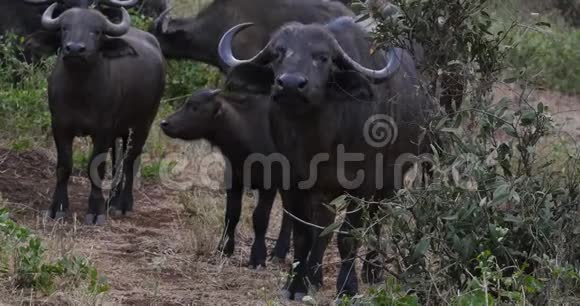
(191, 107)
(280, 52)
(321, 58)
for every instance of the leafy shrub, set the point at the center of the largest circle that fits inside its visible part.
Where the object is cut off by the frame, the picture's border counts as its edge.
(22, 257)
(498, 220)
(183, 77)
(23, 108)
(451, 42)
(549, 58)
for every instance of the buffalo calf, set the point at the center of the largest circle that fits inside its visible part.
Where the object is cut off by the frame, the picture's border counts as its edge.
(237, 123)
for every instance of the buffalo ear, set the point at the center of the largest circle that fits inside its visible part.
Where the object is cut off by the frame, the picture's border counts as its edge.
(350, 85)
(250, 78)
(43, 42)
(116, 47)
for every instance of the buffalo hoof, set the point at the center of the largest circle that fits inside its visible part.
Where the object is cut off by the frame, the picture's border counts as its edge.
(257, 267)
(285, 294)
(278, 260)
(297, 296)
(288, 295)
(101, 220)
(59, 215)
(372, 273)
(115, 212)
(226, 246)
(91, 219)
(56, 216)
(372, 276)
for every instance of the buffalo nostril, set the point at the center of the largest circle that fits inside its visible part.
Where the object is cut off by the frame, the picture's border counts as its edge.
(164, 124)
(292, 81)
(75, 48)
(302, 83)
(280, 82)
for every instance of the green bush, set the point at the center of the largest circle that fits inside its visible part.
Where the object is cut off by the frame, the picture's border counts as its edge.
(497, 222)
(184, 77)
(549, 58)
(23, 107)
(22, 258)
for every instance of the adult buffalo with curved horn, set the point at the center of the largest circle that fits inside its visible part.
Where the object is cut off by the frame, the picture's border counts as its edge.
(22, 17)
(329, 96)
(197, 37)
(107, 84)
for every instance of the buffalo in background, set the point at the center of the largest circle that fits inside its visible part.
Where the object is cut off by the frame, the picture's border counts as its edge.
(326, 88)
(197, 37)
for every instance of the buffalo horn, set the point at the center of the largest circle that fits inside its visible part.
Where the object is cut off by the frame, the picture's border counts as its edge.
(162, 21)
(47, 21)
(393, 64)
(120, 28)
(225, 48)
(119, 3)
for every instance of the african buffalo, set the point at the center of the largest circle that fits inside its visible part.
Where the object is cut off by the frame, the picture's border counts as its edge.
(237, 123)
(330, 96)
(197, 37)
(107, 84)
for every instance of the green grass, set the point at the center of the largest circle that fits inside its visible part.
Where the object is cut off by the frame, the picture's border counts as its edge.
(25, 264)
(549, 57)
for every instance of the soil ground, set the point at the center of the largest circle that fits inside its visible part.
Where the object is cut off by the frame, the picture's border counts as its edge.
(156, 256)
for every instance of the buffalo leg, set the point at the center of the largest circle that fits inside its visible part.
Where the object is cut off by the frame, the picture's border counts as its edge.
(130, 167)
(348, 245)
(117, 155)
(298, 278)
(261, 219)
(372, 267)
(324, 217)
(283, 242)
(233, 211)
(60, 202)
(96, 171)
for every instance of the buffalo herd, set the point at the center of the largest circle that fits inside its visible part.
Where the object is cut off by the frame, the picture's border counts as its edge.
(295, 116)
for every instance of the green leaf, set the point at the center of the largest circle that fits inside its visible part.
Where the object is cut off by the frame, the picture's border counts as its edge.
(476, 298)
(528, 118)
(500, 194)
(508, 129)
(543, 24)
(421, 248)
(339, 202)
(331, 228)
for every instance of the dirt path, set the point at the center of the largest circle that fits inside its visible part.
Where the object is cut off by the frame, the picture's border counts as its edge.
(154, 257)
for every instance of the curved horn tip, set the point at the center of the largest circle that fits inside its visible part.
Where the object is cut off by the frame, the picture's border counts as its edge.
(119, 3)
(120, 28)
(161, 22)
(225, 45)
(38, 1)
(47, 21)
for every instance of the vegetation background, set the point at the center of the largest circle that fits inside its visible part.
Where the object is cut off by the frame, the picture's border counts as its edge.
(498, 226)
